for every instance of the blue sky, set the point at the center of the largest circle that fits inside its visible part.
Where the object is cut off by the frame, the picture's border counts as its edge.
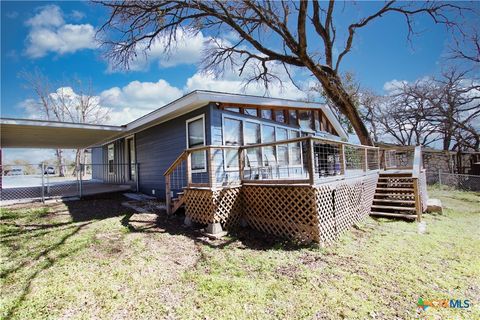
(57, 38)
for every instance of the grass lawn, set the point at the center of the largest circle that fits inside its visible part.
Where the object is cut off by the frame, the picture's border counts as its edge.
(94, 259)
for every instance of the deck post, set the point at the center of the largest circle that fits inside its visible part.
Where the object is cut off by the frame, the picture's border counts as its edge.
(211, 169)
(311, 162)
(189, 168)
(365, 168)
(168, 194)
(342, 159)
(418, 206)
(240, 164)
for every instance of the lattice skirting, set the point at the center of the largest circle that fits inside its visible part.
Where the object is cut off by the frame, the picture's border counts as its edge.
(304, 213)
(214, 206)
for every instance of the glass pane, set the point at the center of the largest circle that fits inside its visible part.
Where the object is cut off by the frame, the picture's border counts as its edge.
(252, 133)
(253, 157)
(317, 121)
(269, 158)
(195, 133)
(295, 149)
(282, 155)
(268, 133)
(232, 109)
(250, 111)
(266, 114)
(231, 158)
(232, 132)
(279, 116)
(305, 119)
(281, 134)
(198, 160)
(292, 116)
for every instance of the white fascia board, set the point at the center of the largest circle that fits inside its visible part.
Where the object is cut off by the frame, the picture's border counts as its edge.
(55, 124)
(198, 99)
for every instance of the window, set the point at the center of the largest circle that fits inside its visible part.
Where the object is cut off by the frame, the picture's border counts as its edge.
(250, 112)
(252, 136)
(196, 138)
(268, 135)
(282, 150)
(110, 157)
(232, 109)
(232, 133)
(292, 116)
(266, 114)
(131, 158)
(305, 119)
(280, 116)
(317, 121)
(295, 149)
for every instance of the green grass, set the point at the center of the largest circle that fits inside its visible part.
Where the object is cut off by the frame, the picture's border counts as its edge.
(55, 265)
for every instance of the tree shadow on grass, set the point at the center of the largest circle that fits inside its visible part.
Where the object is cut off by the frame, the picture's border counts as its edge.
(48, 263)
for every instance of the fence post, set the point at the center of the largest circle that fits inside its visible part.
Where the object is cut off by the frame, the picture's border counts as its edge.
(136, 177)
(439, 177)
(43, 182)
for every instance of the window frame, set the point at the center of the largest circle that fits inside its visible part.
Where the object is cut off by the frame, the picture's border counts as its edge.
(261, 122)
(187, 122)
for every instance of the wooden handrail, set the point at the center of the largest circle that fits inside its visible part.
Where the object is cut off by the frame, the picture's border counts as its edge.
(175, 163)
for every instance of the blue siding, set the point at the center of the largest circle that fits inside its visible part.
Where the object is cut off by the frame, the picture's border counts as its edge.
(158, 147)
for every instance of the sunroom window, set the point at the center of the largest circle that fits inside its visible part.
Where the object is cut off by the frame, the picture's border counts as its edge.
(232, 133)
(196, 138)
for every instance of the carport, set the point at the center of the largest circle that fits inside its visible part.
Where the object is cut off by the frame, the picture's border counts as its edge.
(40, 183)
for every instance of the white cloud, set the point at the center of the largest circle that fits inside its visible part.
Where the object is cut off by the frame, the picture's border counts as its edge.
(49, 33)
(187, 50)
(140, 95)
(393, 85)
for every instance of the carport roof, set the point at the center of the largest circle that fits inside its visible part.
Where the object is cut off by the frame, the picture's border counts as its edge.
(21, 133)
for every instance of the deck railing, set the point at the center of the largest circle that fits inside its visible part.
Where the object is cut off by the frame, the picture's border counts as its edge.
(398, 157)
(304, 160)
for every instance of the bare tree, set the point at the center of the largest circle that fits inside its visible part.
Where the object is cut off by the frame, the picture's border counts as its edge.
(75, 102)
(306, 31)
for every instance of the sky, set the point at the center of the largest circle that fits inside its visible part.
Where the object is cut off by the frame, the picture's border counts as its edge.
(57, 38)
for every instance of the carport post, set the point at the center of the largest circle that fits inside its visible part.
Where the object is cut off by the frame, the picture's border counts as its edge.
(43, 183)
(81, 181)
(136, 176)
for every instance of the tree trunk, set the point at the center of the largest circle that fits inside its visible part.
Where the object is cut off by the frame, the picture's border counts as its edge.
(61, 169)
(335, 91)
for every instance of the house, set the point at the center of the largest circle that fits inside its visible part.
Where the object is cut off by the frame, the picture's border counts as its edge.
(203, 118)
(282, 166)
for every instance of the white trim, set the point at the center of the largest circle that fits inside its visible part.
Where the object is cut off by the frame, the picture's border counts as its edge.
(202, 116)
(58, 124)
(113, 160)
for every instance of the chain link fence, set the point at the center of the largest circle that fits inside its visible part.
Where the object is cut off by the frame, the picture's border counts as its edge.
(458, 181)
(31, 182)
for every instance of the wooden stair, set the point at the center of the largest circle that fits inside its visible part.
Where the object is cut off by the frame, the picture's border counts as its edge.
(394, 196)
(178, 202)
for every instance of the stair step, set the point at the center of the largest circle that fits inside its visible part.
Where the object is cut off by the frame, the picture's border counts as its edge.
(395, 201)
(393, 215)
(396, 175)
(394, 183)
(396, 189)
(396, 178)
(180, 193)
(388, 194)
(377, 206)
